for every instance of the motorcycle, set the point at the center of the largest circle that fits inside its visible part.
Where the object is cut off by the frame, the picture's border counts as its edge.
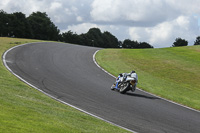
(125, 82)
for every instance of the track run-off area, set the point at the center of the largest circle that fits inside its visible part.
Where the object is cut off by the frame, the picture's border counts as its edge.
(67, 73)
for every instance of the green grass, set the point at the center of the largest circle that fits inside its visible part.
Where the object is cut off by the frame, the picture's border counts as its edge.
(24, 109)
(172, 73)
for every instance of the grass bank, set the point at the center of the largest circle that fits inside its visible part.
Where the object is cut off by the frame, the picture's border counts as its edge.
(24, 109)
(172, 73)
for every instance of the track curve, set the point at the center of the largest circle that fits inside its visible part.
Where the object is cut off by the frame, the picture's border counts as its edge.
(68, 73)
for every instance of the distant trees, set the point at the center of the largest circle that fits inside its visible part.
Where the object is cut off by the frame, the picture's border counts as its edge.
(94, 37)
(180, 42)
(39, 26)
(110, 41)
(70, 37)
(4, 21)
(15, 25)
(20, 26)
(42, 27)
(134, 44)
(197, 42)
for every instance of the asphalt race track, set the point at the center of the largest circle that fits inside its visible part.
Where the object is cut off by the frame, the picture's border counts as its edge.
(68, 73)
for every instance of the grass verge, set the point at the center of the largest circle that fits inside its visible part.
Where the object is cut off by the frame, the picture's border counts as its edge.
(172, 73)
(24, 109)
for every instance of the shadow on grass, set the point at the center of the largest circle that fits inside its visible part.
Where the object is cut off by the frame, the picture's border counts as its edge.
(142, 96)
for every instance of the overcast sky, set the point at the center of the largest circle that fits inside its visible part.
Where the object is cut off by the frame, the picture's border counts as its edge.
(158, 22)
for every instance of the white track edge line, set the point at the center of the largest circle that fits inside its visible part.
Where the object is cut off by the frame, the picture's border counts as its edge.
(143, 90)
(5, 64)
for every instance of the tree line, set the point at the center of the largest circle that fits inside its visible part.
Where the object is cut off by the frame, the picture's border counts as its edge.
(182, 42)
(39, 26)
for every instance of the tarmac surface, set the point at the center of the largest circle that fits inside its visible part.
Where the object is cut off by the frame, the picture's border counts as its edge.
(67, 72)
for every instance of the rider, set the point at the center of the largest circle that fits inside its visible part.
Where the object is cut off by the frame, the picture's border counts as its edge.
(122, 77)
(133, 74)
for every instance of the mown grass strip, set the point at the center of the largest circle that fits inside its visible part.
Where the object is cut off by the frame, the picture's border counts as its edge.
(24, 109)
(172, 73)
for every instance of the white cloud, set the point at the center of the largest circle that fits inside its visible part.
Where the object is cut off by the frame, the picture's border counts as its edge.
(54, 6)
(68, 11)
(183, 22)
(79, 18)
(164, 34)
(185, 6)
(146, 13)
(156, 35)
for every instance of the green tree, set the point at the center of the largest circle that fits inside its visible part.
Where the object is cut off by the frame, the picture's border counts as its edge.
(197, 42)
(96, 37)
(127, 43)
(135, 44)
(4, 23)
(15, 25)
(42, 26)
(70, 37)
(20, 26)
(180, 42)
(85, 40)
(145, 45)
(110, 41)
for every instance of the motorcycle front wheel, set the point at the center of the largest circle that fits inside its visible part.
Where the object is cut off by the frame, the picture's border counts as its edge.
(124, 87)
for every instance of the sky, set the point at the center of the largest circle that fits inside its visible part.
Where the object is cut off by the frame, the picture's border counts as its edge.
(158, 22)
